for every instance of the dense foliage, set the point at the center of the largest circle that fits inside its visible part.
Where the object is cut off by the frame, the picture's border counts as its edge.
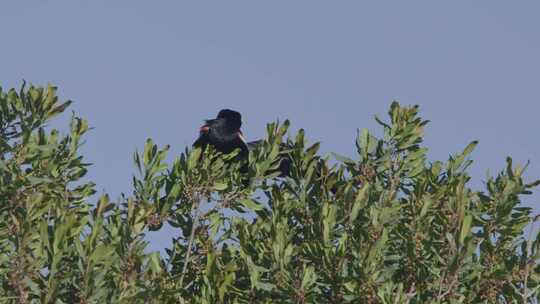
(385, 227)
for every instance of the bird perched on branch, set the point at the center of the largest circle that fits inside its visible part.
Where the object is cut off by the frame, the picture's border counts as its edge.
(225, 135)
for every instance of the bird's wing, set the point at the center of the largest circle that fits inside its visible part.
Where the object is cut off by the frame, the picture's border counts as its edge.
(203, 140)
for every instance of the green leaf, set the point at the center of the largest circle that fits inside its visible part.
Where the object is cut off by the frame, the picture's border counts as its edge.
(137, 161)
(101, 252)
(470, 147)
(533, 184)
(427, 202)
(39, 180)
(155, 262)
(465, 228)
(176, 190)
(343, 159)
(194, 157)
(311, 151)
(265, 286)
(149, 152)
(3, 166)
(309, 278)
(359, 202)
(251, 204)
(59, 109)
(363, 142)
(220, 186)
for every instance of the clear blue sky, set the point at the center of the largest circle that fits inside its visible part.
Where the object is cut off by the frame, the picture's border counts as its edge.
(139, 69)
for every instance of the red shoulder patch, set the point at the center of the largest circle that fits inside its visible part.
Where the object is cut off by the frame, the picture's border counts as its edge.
(204, 129)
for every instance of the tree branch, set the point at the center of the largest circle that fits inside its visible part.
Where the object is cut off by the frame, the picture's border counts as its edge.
(191, 238)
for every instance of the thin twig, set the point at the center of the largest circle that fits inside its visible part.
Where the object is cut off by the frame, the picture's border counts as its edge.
(411, 293)
(191, 237)
(441, 296)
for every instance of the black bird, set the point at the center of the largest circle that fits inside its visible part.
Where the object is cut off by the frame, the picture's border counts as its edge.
(225, 135)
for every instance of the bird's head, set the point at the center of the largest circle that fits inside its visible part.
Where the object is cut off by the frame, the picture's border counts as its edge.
(227, 121)
(233, 119)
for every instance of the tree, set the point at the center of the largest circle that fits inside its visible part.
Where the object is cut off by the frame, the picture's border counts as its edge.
(385, 227)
